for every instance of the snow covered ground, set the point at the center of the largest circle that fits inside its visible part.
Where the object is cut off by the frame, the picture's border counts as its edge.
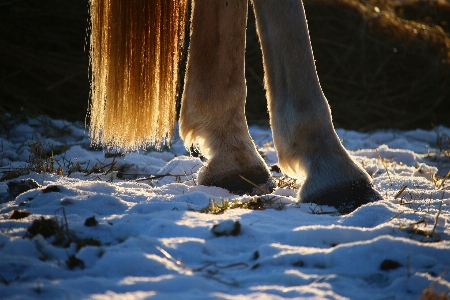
(97, 225)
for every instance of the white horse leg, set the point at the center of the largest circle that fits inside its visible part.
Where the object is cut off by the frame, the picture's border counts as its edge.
(303, 132)
(212, 112)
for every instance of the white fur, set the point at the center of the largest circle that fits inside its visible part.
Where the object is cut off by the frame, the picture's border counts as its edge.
(212, 112)
(303, 132)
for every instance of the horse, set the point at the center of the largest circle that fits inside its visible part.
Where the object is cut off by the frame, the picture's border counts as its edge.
(135, 50)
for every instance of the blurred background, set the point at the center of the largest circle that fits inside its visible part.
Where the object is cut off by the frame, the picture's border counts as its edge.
(381, 63)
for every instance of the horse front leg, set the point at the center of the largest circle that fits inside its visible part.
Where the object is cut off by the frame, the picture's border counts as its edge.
(212, 111)
(303, 131)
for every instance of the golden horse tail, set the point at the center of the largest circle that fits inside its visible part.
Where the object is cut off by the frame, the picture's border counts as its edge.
(135, 49)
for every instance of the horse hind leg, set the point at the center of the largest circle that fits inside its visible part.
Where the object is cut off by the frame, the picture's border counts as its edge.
(212, 112)
(303, 131)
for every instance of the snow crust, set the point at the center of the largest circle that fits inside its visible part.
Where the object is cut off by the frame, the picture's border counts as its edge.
(156, 244)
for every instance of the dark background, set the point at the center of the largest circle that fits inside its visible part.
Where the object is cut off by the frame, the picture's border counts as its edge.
(382, 64)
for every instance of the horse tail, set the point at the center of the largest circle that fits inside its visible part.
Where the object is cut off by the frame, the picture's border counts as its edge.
(135, 49)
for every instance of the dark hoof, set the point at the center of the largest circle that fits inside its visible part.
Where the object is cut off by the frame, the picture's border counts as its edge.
(236, 185)
(347, 198)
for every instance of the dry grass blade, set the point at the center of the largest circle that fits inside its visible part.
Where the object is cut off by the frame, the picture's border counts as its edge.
(396, 215)
(431, 293)
(286, 182)
(255, 185)
(441, 185)
(402, 189)
(383, 162)
(436, 220)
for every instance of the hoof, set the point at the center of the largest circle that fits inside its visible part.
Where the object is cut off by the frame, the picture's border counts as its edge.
(347, 198)
(236, 185)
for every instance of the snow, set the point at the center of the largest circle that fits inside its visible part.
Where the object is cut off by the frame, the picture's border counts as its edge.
(150, 239)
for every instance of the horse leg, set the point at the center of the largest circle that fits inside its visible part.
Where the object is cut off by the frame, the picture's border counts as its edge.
(212, 111)
(303, 132)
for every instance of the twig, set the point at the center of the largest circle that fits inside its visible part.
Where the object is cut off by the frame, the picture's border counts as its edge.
(110, 166)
